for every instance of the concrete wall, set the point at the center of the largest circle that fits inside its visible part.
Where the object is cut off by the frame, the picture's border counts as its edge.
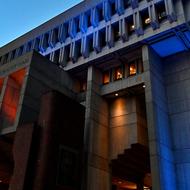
(96, 140)
(177, 78)
(123, 125)
(159, 132)
(142, 134)
(127, 124)
(42, 77)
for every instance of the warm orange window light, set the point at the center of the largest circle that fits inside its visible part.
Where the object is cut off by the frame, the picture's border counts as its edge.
(11, 98)
(132, 69)
(106, 77)
(118, 73)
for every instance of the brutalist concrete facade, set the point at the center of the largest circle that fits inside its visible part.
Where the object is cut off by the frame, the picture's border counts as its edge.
(126, 63)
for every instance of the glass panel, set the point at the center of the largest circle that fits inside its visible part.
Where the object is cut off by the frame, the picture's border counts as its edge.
(118, 74)
(11, 98)
(132, 69)
(106, 77)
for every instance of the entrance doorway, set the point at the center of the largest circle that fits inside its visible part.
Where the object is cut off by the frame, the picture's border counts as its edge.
(131, 170)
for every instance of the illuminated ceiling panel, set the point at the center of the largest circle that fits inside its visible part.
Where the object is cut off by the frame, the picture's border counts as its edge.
(169, 46)
(187, 34)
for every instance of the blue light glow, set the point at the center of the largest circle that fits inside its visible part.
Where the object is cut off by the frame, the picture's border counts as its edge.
(168, 46)
(187, 34)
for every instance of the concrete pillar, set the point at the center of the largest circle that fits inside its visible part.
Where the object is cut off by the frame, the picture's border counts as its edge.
(123, 29)
(96, 138)
(161, 155)
(170, 10)
(137, 23)
(153, 15)
(109, 36)
(21, 154)
(177, 79)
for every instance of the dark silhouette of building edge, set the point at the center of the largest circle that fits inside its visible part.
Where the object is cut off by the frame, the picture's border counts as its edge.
(98, 98)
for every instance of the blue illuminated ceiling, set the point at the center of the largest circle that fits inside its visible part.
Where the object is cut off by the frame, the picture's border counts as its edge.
(177, 42)
(187, 34)
(169, 46)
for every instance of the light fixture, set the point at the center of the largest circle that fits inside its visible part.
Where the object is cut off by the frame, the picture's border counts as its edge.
(1, 181)
(116, 94)
(147, 21)
(132, 27)
(119, 182)
(144, 86)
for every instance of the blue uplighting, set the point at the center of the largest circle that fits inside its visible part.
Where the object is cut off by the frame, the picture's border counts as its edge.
(168, 46)
(187, 34)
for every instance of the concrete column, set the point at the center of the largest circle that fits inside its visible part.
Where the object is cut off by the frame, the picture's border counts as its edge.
(138, 23)
(161, 155)
(96, 41)
(177, 79)
(123, 29)
(96, 139)
(21, 153)
(109, 36)
(170, 10)
(153, 15)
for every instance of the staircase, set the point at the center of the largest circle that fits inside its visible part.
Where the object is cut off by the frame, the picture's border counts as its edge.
(133, 164)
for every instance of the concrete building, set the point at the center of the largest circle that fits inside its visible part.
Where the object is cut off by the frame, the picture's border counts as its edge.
(98, 98)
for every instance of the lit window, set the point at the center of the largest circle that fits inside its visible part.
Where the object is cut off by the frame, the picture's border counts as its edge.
(106, 77)
(147, 21)
(130, 25)
(145, 18)
(132, 69)
(11, 98)
(118, 74)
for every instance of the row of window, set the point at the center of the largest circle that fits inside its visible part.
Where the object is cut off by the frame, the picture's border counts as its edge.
(16, 53)
(118, 73)
(123, 71)
(80, 23)
(72, 52)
